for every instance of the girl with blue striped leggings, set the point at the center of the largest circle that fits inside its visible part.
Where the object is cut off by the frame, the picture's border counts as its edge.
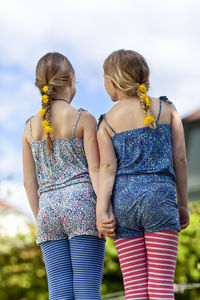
(60, 163)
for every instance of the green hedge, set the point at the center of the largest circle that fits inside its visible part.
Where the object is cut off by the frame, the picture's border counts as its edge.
(22, 272)
(188, 261)
(23, 276)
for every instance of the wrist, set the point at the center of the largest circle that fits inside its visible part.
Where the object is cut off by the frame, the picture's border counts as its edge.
(103, 207)
(182, 207)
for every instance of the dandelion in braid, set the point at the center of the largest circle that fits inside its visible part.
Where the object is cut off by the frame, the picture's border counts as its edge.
(130, 73)
(53, 72)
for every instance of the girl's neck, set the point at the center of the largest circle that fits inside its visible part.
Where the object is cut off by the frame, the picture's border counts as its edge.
(64, 94)
(125, 98)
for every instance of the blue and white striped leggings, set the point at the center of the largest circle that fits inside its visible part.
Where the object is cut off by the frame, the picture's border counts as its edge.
(74, 267)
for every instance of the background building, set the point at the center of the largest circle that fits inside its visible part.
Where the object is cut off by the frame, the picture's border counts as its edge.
(192, 137)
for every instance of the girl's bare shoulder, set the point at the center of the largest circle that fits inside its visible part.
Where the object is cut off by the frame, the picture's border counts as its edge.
(88, 119)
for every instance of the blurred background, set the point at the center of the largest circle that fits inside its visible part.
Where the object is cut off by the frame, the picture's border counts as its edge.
(167, 34)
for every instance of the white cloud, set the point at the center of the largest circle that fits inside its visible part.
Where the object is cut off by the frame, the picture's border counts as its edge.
(16, 104)
(14, 194)
(10, 158)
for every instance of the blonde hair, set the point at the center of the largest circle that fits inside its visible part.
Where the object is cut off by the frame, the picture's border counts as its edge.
(55, 71)
(128, 70)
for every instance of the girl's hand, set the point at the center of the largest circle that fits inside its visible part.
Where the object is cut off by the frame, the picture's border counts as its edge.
(106, 224)
(184, 217)
(111, 223)
(109, 226)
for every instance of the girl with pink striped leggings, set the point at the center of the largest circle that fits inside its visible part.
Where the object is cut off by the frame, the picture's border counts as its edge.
(142, 190)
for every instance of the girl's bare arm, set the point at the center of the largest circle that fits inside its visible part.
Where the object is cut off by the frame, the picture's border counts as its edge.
(91, 148)
(29, 174)
(180, 166)
(108, 166)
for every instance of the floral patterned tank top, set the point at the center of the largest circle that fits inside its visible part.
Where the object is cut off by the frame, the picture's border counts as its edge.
(66, 166)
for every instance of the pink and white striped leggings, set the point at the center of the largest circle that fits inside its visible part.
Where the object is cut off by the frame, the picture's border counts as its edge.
(148, 265)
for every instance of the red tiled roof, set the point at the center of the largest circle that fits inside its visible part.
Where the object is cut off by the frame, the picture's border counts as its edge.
(5, 206)
(193, 116)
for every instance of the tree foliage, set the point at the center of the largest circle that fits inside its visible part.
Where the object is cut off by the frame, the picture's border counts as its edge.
(22, 271)
(188, 261)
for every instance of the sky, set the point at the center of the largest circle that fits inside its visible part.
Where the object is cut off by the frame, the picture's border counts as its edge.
(165, 32)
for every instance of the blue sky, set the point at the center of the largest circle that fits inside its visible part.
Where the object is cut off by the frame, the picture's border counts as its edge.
(165, 32)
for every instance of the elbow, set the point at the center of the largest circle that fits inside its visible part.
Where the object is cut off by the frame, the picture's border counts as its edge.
(183, 160)
(179, 155)
(93, 169)
(26, 184)
(108, 167)
(29, 183)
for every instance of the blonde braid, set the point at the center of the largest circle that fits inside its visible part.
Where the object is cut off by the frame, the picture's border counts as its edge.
(53, 72)
(145, 104)
(46, 114)
(130, 73)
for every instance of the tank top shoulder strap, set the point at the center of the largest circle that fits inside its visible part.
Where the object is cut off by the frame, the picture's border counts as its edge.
(102, 117)
(77, 119)
(162, 98)
(30, 128)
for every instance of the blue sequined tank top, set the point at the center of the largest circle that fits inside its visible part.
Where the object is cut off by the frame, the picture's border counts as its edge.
(144, 150)
(66, 166)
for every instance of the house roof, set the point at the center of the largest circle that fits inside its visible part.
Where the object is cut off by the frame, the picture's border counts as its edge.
(193, 117)
(6, 207)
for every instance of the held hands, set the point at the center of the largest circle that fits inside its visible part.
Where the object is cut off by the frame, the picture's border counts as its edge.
(184, 217)
(106, 222)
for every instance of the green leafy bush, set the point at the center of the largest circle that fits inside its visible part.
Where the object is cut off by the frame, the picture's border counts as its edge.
(22, 271)
(112, 277)
(188, 261)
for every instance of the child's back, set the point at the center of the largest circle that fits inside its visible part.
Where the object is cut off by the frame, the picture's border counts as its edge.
(141, 149)
(128, 114)
(67, 165)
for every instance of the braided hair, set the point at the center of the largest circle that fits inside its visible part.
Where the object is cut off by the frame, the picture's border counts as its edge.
(130, 73)
(53, 71)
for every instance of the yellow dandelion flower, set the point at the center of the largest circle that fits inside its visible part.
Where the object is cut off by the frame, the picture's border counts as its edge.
(42, 112)
(48, 129)
(149, 120)
(45, 123)
(148, 102)
(45, 88)
(45, 99)
(142, 88)
(144, 97)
